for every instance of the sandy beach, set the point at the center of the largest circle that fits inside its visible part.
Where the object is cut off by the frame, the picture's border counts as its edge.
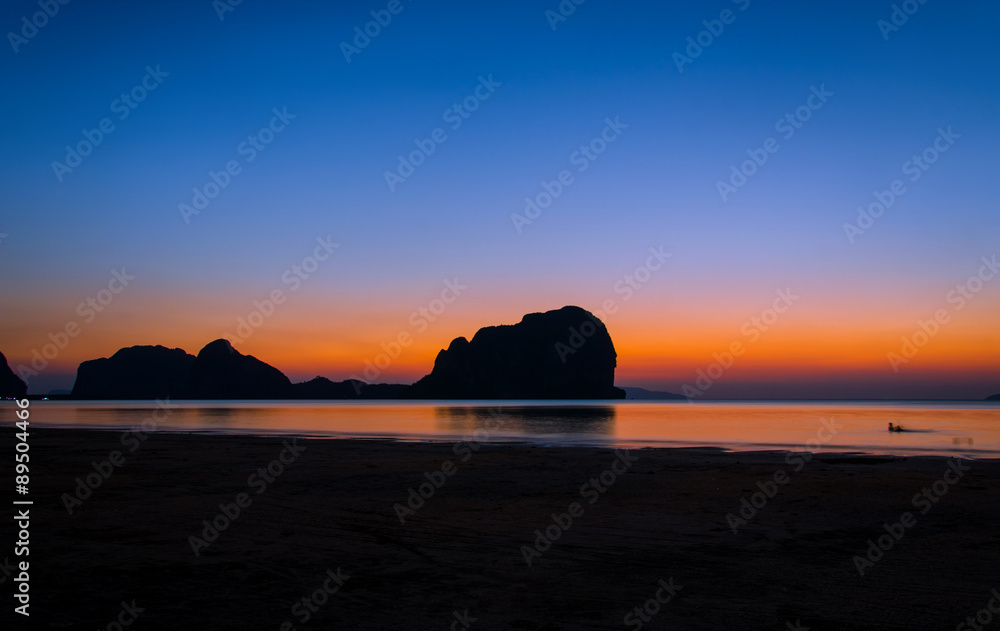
(237, 532)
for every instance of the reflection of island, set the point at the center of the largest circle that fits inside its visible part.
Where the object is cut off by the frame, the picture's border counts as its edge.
(211, 417)
(487, 423)
(562, 354)
(140, 419)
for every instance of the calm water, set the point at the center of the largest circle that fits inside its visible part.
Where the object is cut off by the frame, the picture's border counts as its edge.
(938, 428)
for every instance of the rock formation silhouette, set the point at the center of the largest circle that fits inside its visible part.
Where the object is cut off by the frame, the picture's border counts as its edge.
(562, 354)
(137, 372)
(222, 372)
(10, 384)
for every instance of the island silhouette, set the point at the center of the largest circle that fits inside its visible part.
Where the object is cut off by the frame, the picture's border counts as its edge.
(565, 353)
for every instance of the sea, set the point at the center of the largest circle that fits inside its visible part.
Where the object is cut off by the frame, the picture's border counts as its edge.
(932, 428)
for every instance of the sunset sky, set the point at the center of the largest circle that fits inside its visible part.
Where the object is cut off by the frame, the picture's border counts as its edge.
(873, 98)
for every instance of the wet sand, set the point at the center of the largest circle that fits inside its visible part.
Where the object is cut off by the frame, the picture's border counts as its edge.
(662, 515)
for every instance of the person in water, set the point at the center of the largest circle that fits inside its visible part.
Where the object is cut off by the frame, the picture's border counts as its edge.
(895, 428)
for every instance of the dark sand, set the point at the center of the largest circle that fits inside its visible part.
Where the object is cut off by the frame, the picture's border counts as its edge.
(664, 518)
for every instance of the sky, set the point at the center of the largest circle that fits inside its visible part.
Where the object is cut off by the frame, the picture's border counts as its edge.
(181, 163)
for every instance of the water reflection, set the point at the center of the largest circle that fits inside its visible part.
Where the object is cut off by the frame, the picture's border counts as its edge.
(184, 415)
(534, 420)
(108, 415)
(210, 417)
(941, 428)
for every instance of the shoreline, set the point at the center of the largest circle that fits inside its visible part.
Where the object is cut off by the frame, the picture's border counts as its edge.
(662, 515)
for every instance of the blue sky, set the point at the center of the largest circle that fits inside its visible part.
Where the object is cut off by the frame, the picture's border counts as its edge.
(656, 184)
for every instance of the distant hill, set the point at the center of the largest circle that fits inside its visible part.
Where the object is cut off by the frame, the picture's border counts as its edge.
(562, 354)
(10, 384)
(323, 388)
(995, 397)
(642, 393)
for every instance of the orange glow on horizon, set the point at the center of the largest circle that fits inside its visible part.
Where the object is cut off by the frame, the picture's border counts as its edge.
(316, 335)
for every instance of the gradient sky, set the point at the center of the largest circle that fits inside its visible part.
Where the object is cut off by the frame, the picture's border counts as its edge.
(654, 186)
